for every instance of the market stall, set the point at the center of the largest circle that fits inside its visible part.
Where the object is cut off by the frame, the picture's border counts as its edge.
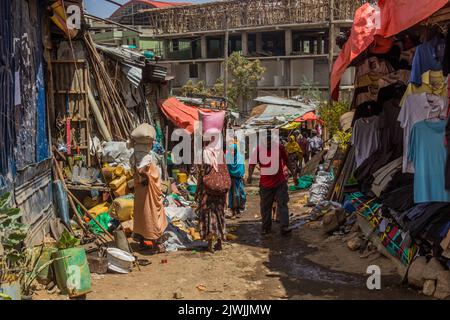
(398, 154)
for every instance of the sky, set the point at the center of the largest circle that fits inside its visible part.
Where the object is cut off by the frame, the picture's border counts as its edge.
(104, 9)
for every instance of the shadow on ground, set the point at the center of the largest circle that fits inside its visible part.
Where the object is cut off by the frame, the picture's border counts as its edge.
(302, 278)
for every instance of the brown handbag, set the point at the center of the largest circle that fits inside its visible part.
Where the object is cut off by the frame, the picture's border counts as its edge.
(217, 182)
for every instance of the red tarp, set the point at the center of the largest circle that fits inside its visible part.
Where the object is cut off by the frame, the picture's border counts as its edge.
(181, 115)
(309, 116)
(395, 17)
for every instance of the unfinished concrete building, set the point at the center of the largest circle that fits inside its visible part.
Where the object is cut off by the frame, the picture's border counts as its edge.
(290, 37)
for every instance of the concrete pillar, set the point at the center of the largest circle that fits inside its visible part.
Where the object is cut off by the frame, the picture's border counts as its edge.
(259, 42)
(244, 41)
(204, 47)
(288, 42)
(319, 45)
(166, 48)
(287, 72)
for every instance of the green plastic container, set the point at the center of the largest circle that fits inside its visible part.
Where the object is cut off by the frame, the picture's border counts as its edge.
(46, 275)
(72, 272)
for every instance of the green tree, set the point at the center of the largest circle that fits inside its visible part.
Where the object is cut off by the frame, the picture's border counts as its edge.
(191, 88)
(331, 114)
(244, 75)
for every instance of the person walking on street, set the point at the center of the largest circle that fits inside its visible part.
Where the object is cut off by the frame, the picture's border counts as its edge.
(236, 168)
(304, 145)
(315, 143)
(295, 155)
(273, 188)
(212, 181)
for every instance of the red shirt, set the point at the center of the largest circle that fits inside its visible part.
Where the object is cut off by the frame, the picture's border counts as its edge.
(270, 181)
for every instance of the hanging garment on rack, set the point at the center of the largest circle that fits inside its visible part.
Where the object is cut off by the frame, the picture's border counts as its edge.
(390, 146)
(370, 95)
(408, 56)
(446, 62)
(428, 56)
(432, 82)
(384, 175)
(393, 91)
(373, 66)
(427, 152)
(416, 219)
(365, 138)
(366, 110)
(418, 107)
(401, 76)
(447, 165)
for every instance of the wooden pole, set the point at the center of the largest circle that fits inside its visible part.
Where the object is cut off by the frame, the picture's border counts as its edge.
(225, 76)
(72, 197)
(331, 41)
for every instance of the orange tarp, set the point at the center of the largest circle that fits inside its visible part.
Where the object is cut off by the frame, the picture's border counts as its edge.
(399, 15)
(181, 115)
(360, 39)
(309, 116)
(395, 16)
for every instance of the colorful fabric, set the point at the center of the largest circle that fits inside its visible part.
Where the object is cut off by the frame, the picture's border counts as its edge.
(433, 82)
(428, 57)
(237, 197)
(211, 213)
(292, 147)
(235, 162)
(150, 220)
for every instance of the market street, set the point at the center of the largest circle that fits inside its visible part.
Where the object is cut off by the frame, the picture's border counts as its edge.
(305, 266)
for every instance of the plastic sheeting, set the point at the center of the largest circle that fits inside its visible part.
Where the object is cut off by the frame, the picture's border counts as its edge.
(181, 115)
(321, 186)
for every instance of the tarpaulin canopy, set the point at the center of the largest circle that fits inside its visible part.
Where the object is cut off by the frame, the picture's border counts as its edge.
(392, 17)
(181, 115)
(291, 126)
(309, 116)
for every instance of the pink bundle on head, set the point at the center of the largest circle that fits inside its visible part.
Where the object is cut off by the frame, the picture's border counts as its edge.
(212, 122)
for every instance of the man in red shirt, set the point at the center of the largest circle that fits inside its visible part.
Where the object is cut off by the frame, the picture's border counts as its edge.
(272, 185)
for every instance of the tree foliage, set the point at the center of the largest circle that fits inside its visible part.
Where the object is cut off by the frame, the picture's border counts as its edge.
(243, 77)
(331, 114)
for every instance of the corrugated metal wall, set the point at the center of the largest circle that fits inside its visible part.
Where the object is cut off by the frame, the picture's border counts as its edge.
(25, 165)
(6, 96)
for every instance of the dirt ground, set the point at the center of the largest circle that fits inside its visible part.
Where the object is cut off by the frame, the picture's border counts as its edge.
(305, 265)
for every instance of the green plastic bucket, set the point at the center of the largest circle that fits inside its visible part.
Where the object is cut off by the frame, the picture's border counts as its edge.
(46, 275)
(72, 272)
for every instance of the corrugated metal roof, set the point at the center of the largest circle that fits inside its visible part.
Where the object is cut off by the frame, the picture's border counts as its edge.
(283, 101)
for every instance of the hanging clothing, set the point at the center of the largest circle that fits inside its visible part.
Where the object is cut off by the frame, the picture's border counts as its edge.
(150, 220)
(418, 107)
(401, 76)
(427, 152)
(373, 66)
(383, 176)
(432, 82)
(428, 56)
(365, 138)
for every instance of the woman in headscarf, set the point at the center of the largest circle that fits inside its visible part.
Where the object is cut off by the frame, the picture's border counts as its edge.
(211, 205)
(150, 220)
(236, 168)
(295, 155)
